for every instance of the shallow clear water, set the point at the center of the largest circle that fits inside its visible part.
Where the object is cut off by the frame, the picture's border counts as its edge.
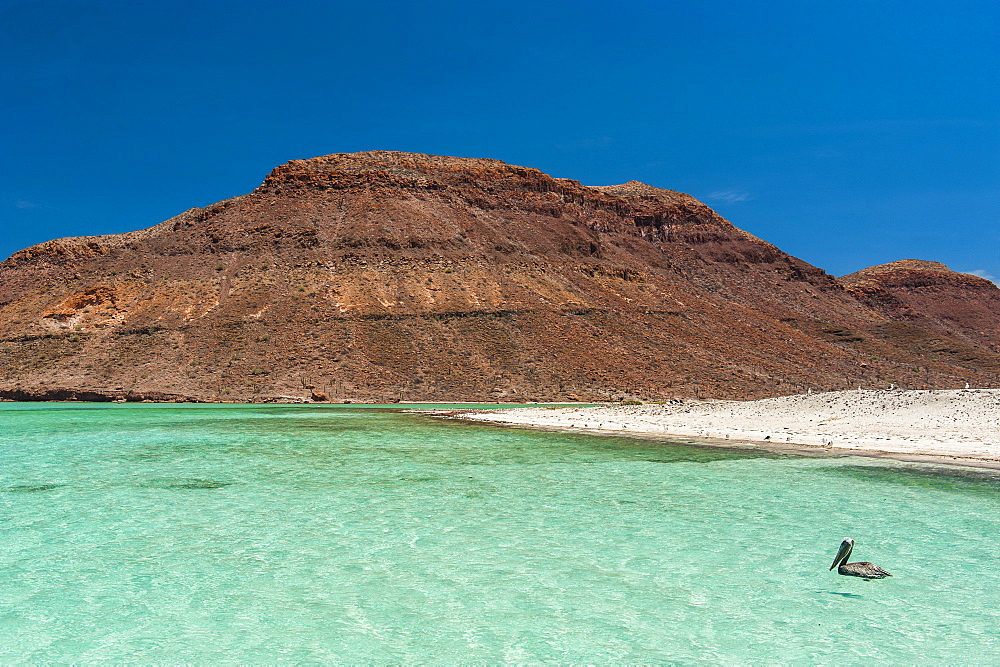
(311, 533)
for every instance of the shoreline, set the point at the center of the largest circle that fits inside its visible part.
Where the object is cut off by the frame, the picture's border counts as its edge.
(953, 427)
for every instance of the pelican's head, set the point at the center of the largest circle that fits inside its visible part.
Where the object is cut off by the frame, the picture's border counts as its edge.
(844, 552)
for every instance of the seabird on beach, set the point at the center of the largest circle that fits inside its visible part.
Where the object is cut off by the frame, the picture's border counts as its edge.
(862, 569)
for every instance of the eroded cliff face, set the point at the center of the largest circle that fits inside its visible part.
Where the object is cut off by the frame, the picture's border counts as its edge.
(387, 276)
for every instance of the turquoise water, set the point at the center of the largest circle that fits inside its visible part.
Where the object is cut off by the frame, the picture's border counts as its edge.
(195, 533)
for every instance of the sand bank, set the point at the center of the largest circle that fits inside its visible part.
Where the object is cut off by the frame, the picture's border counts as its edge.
(963, 425)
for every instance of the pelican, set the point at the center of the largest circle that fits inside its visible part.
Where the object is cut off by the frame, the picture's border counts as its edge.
(862, 569)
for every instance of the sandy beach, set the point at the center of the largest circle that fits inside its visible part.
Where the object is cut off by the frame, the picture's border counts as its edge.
(961, 426)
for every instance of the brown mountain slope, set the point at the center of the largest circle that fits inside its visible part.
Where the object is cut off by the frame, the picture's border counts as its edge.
(958, 305)
(381, 275)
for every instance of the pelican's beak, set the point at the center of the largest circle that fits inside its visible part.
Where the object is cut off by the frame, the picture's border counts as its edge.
(842, 553)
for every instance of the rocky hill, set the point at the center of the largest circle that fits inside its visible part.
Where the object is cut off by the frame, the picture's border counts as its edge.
(958, 305)
(394, 276)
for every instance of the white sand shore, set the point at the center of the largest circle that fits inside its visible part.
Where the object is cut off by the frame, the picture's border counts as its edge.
(958, 424)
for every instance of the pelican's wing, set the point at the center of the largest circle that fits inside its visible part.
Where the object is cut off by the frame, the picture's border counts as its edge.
(866, 570)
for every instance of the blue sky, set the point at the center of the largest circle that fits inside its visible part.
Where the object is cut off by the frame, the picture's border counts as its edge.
(848, 134)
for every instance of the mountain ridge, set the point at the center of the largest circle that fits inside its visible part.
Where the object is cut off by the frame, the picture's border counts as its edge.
(384, 275)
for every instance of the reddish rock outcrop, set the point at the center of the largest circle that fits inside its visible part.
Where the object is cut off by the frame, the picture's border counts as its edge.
(385, 276)
(959, 305)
